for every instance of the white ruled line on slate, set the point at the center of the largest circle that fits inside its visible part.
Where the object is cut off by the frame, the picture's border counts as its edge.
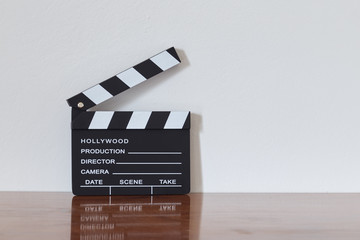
(173, 153)
(149, 163)
(129, 186)
(147, 173)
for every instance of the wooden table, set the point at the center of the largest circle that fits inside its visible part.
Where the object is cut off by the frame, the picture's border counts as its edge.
(25, 215)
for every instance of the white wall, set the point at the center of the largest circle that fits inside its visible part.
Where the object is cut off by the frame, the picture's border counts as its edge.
(273, 87)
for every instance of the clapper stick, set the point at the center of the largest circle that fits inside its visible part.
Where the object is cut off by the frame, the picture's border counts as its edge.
(125, 80)
(131, 152)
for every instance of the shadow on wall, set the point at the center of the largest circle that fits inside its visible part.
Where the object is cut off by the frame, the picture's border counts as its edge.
(195, 154)
(196, 128)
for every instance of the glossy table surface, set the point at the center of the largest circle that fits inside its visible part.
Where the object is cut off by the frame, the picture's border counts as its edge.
(27, 215)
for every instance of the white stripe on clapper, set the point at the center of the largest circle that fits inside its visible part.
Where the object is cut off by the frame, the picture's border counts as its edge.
(131, 77)
(176, 120)
(97, 94)
(164, 60)
(138, 120)
(101, 120)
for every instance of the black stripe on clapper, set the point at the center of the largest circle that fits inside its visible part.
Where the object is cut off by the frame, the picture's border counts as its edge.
(173, 53)
(114, 85)
(187, 122)
(148, 69)
(120, 120)
(157, 120)
(82, 121)
(80, 98)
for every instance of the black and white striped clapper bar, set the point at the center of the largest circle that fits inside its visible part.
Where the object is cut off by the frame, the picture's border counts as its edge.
(129, 153)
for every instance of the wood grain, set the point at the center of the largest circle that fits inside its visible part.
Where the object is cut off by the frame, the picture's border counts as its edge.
(28, 215)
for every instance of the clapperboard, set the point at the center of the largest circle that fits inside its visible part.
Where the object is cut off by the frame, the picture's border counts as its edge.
(130, 152)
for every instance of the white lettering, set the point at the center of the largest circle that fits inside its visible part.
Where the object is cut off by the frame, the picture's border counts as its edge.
(97, 161)
(97, 226)
(94, 182)
(167, 208)
(94, 218)
(167, 181)
(93, 209)
(130, 208)
(104, 141)
(94, 171)
(102, 151)
(131, 181)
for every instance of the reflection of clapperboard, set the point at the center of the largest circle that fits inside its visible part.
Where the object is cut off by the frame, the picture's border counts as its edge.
(129, 153)
(126, 217)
